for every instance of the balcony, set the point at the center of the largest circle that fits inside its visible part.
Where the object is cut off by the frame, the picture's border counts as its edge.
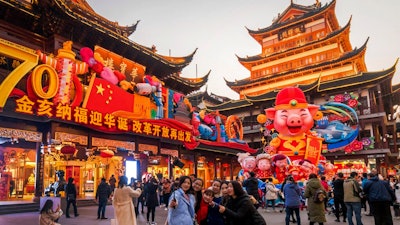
(370, 112)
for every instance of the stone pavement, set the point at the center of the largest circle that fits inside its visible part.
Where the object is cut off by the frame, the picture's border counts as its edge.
(88, 216)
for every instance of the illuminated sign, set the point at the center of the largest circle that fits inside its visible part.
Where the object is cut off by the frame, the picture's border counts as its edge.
(106, 107)
(106, 122)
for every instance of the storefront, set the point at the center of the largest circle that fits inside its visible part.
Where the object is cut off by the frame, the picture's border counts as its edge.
(18, 163)
(90, 129)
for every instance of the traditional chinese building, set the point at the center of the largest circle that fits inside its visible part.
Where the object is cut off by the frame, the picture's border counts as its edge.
(78, 95)
(305, 46)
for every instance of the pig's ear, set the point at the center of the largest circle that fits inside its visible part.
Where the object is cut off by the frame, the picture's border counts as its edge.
(313, 109)
(270, 112)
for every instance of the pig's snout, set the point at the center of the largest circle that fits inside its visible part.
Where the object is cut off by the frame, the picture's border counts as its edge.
(294, 121)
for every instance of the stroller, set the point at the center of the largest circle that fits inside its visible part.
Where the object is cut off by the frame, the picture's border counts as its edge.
(331, 206)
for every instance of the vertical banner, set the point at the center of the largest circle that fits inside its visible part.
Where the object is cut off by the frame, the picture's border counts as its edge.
(313, 149)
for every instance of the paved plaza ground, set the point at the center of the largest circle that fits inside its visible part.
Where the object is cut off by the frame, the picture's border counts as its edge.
(88, 216)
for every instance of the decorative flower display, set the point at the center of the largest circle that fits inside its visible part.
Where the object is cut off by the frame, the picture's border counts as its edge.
(357, 145)
(347, 98)
(368, 142)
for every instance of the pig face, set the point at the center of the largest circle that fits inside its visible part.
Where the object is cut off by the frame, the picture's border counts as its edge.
(264, 164)
(249, 163)
(292, 122)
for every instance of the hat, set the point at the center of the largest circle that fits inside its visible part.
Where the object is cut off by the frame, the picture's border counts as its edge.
(290, 98)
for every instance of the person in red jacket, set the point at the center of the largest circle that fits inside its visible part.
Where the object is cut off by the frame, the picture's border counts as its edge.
(326, 187)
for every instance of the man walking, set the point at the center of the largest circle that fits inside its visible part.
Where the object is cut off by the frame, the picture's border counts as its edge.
(380, 196)
(351, 188)
(102, 195)
(338, 197)
(70, 191)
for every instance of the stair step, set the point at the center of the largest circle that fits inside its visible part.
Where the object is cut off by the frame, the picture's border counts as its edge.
(34, 207)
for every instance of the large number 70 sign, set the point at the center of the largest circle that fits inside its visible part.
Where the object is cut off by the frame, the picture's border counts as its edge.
(29, 60)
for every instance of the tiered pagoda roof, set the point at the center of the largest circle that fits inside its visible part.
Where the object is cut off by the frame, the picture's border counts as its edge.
(293, 53)
(342, 33)
(76, 20)
(295, 13)
(346, 58)
(344, 70)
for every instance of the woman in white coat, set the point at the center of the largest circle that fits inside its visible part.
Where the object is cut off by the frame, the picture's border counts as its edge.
(124, 210)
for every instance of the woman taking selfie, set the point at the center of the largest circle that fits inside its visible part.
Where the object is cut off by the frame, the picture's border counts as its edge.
(181, 203)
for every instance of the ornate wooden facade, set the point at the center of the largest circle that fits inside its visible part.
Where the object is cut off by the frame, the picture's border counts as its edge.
(306, 47)
(45, 25)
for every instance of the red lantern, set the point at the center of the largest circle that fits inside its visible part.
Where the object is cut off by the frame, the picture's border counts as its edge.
(225, 165)
(68, 150)
(106, 153)
(210, 164)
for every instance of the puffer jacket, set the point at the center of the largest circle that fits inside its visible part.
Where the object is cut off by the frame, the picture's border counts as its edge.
(292, 195)
(378, 190)
(271, 192)
(316, 210)
(242, 211)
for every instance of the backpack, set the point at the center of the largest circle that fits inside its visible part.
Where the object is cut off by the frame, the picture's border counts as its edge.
(319, 196)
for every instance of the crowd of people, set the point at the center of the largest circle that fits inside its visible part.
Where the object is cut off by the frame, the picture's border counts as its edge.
(188, 201)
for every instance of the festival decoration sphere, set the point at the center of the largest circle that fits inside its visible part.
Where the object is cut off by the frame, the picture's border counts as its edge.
(261, 118)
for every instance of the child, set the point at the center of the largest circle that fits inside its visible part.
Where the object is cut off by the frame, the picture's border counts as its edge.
(47, 215)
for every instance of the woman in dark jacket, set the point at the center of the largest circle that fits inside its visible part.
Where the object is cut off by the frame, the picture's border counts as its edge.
(251, 185)
(150, 194)
(242, 210)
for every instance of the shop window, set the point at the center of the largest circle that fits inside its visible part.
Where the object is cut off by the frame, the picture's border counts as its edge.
(19, 166)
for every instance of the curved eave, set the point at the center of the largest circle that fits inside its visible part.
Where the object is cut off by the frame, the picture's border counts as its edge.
(142, 55)
(22, 6)
(233, 104)
(204, 96)
(365, 79)
(272, 94)
(396, 87)
(293, 6)
(84, 9)
(332, 35)
(20, 13)
(305, 16)
(355, 53)
(237, 82)
(184, 60)
(185, 85)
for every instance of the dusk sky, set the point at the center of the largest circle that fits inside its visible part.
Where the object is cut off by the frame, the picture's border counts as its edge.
(218, 29)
